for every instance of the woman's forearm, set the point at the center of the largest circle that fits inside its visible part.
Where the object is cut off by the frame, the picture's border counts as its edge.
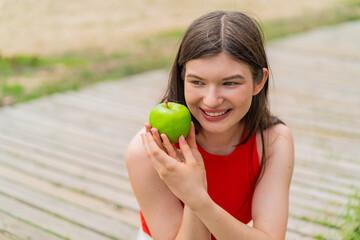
(224, 226)
(192, 227)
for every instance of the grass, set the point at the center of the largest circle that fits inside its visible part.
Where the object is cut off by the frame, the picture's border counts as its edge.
(348, 11)
(351, 227)
(23, 77)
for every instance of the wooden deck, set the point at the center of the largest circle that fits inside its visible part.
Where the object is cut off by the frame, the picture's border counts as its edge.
(62, 171)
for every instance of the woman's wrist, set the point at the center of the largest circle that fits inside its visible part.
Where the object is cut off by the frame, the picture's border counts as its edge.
(193, 226)
(202, 203)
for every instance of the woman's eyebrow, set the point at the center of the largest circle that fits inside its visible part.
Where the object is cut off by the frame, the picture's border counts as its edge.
(233, 77)
(194, 76)
(225, 79)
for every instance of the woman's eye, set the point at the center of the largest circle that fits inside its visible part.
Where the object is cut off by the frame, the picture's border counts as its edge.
(197, 83)
(230, 83)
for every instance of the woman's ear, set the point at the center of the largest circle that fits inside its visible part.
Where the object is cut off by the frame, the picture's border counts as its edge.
(259, 85)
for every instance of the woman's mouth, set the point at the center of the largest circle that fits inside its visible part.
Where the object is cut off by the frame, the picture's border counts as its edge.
(215, 114)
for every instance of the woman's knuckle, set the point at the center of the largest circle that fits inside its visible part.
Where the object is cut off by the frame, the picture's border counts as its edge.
(170, 167)
(154, 152)
(163, 174)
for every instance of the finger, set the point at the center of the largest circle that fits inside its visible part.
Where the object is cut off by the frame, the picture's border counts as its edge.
(147, 127)
(142, 138)
(156, 136)
(147, 140)
(186, 150)
(191, 138)
(152, 150)
(145, 144)
(161, 160)
(168, 146)
(155, 152)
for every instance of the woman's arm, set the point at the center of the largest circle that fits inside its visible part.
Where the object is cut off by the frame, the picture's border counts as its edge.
(162, 210)
(192, 227)
(270, 201)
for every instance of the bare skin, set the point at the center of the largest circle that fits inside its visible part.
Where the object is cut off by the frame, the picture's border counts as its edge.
(156, 182)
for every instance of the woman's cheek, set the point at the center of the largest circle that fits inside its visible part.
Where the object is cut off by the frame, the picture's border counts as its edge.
(192, 98)
(190, 95)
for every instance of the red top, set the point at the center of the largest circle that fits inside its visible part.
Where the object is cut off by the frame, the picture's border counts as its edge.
(230, 180)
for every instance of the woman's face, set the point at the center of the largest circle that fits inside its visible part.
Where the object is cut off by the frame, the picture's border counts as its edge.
(219, 91)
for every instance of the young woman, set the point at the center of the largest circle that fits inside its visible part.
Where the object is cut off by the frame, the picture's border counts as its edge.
(237, 161)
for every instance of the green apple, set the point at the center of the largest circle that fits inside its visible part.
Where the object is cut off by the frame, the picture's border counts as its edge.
(171, 118)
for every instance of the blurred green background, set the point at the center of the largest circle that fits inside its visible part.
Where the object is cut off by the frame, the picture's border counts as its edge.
(52, 46)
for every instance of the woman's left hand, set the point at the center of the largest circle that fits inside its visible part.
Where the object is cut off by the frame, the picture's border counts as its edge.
(184, 174)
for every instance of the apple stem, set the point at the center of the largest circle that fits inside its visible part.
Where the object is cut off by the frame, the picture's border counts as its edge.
(166, 102)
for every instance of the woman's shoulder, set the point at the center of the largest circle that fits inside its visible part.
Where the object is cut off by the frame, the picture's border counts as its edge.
(278, 139)
(279, 132)
(279, 142)
(135, 151)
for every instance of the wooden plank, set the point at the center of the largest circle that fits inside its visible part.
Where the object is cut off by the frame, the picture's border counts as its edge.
(321, 217)
(14, 229)
(99, 129)
(340, 41)
(76, 131)
(49, 135)
(76, 198)
(46, 221)
(64, 137)
(107, 168)
(116, 182)
(292, 235)
(344, 168)
(312, 229)
(329, 177)
(96, 222)
(94, 189)
(300, 179)
(321, 194)
(317, 205)
(76, 152)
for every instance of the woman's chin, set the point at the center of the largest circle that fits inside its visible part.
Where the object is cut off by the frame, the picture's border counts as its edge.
(214, 128)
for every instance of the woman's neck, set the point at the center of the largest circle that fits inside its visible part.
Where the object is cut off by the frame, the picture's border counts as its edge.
(220, 143)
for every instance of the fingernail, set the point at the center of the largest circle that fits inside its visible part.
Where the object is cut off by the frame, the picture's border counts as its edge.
(182, 139)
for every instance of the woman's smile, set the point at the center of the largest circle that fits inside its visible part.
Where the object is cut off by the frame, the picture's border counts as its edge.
(215, 114)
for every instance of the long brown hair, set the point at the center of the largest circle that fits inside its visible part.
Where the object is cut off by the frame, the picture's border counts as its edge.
(239, 36)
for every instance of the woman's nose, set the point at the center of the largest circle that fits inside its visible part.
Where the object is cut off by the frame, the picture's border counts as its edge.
(213, 97)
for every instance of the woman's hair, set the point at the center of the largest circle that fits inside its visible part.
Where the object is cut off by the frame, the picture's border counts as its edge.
(239, 36)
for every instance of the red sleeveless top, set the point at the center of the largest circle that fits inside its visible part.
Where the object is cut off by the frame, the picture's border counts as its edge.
(230, 180)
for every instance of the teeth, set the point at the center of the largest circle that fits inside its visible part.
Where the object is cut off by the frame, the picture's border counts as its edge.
(215, 114)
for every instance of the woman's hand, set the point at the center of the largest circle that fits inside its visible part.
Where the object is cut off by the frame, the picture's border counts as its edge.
(183, 171)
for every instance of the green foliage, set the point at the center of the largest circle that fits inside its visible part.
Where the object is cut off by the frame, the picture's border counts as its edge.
(13, 90)
(351, 227)
(319, 237)
(278, 28)
(172, 33)
(352, 3)
(19, 63)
